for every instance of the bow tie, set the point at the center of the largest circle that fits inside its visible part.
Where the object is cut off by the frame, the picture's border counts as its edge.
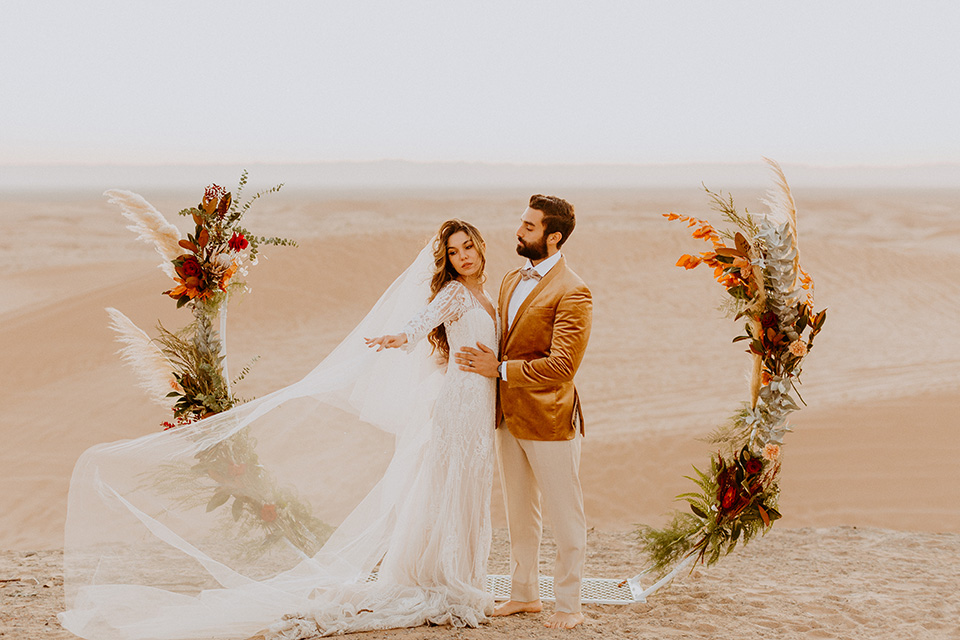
(529, 273)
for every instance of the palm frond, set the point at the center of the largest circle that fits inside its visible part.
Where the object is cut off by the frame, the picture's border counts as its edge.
(143, 356)
(149, 225)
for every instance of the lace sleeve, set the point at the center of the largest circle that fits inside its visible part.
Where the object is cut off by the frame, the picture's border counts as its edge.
(448, 305)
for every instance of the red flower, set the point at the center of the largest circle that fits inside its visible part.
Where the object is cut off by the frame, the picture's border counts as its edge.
(238, 242)
(753, 466)
(768, 319)
(268, 512)
(190, 267)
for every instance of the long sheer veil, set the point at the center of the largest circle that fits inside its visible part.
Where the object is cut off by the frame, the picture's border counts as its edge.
(217, 529)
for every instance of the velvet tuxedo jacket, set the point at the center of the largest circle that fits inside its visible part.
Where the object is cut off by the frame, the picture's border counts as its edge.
(543, 349)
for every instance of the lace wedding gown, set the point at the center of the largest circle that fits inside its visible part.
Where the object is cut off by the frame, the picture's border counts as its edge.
(435, 568)
(277, 512)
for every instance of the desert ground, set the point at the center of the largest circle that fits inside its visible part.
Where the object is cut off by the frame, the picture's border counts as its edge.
(869, 543)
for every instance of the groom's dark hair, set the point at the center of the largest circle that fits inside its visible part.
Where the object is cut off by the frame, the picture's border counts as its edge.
(557, 215)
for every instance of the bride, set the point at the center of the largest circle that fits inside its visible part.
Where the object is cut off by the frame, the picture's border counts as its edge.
(398, 531)
(435, 568)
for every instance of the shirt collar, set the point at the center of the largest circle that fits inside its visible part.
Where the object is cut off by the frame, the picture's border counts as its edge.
(544, 267)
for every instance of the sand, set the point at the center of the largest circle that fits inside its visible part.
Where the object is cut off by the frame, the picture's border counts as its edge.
(877, 446)
(837, 583)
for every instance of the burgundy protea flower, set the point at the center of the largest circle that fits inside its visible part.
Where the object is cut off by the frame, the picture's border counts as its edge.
(238, 242)
(728, 497)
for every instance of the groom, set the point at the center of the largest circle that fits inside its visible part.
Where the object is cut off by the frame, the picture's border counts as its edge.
(545, 316)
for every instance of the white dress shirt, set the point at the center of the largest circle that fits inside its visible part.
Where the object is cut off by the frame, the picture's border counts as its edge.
(525, 287)
(522, 292)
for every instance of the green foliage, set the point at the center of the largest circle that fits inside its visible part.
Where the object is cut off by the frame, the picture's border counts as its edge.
(732, 434)
(245, 370)
(745, 222)
(665, 547)
(711, 530)
(194, 352)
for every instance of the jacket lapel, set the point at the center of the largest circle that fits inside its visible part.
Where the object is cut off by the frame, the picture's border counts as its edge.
(537, 290)
(512, 280)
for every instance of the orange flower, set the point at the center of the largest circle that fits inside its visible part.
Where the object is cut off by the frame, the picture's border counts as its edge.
(771, 452)
(227, 275)
(268, 512)
(177, 291)
(688, 262)
(705, 232)
(746, 269)
(798, 348)
(806, 282)
(189, 286)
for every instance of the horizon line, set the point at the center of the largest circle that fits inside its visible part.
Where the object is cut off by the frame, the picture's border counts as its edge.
(296, 163)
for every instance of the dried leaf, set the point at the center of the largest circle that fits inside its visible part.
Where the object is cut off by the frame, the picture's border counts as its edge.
(742, 245)
(219, 498)
(763, 514)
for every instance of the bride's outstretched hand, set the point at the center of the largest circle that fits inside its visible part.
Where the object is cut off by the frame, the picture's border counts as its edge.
(387, 342)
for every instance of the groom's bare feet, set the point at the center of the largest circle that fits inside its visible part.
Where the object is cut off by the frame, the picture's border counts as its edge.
(564, 620)
(511, 607)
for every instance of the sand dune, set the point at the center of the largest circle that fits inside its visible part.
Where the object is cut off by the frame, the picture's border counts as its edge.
(877, 445)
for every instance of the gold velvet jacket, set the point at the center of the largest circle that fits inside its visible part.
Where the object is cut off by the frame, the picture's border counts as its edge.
(543, 349)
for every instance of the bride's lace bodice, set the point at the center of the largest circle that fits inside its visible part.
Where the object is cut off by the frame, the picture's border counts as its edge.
(466, 401)
(450, 307)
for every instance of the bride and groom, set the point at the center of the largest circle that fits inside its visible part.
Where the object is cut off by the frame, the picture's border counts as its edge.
(164, 569)
(540, 330)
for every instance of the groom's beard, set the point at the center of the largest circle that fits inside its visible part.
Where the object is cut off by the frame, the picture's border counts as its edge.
(536, 251)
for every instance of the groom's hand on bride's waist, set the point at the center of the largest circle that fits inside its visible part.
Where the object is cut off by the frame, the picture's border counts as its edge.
(482, 360)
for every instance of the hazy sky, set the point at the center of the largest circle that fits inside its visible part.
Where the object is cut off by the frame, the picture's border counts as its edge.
(835, 82)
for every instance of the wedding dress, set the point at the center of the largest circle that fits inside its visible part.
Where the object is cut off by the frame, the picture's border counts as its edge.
(435, 568)
(356, 498)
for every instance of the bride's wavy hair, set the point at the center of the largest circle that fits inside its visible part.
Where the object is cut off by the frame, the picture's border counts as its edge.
(444, 272)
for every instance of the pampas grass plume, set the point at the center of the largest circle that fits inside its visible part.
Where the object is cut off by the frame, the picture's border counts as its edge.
(782, 206)
(145, 358)
(149, 225)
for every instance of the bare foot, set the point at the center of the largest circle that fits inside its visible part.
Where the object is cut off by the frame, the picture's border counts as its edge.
(564, 620)
(511, 607)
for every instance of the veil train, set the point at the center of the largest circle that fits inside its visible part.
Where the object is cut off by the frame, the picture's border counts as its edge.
(217, 529)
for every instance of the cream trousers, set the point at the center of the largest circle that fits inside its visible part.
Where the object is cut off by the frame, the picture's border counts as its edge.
(547, 473)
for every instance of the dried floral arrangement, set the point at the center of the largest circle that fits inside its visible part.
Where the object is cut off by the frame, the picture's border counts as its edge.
(758, 265)
(186, 370)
